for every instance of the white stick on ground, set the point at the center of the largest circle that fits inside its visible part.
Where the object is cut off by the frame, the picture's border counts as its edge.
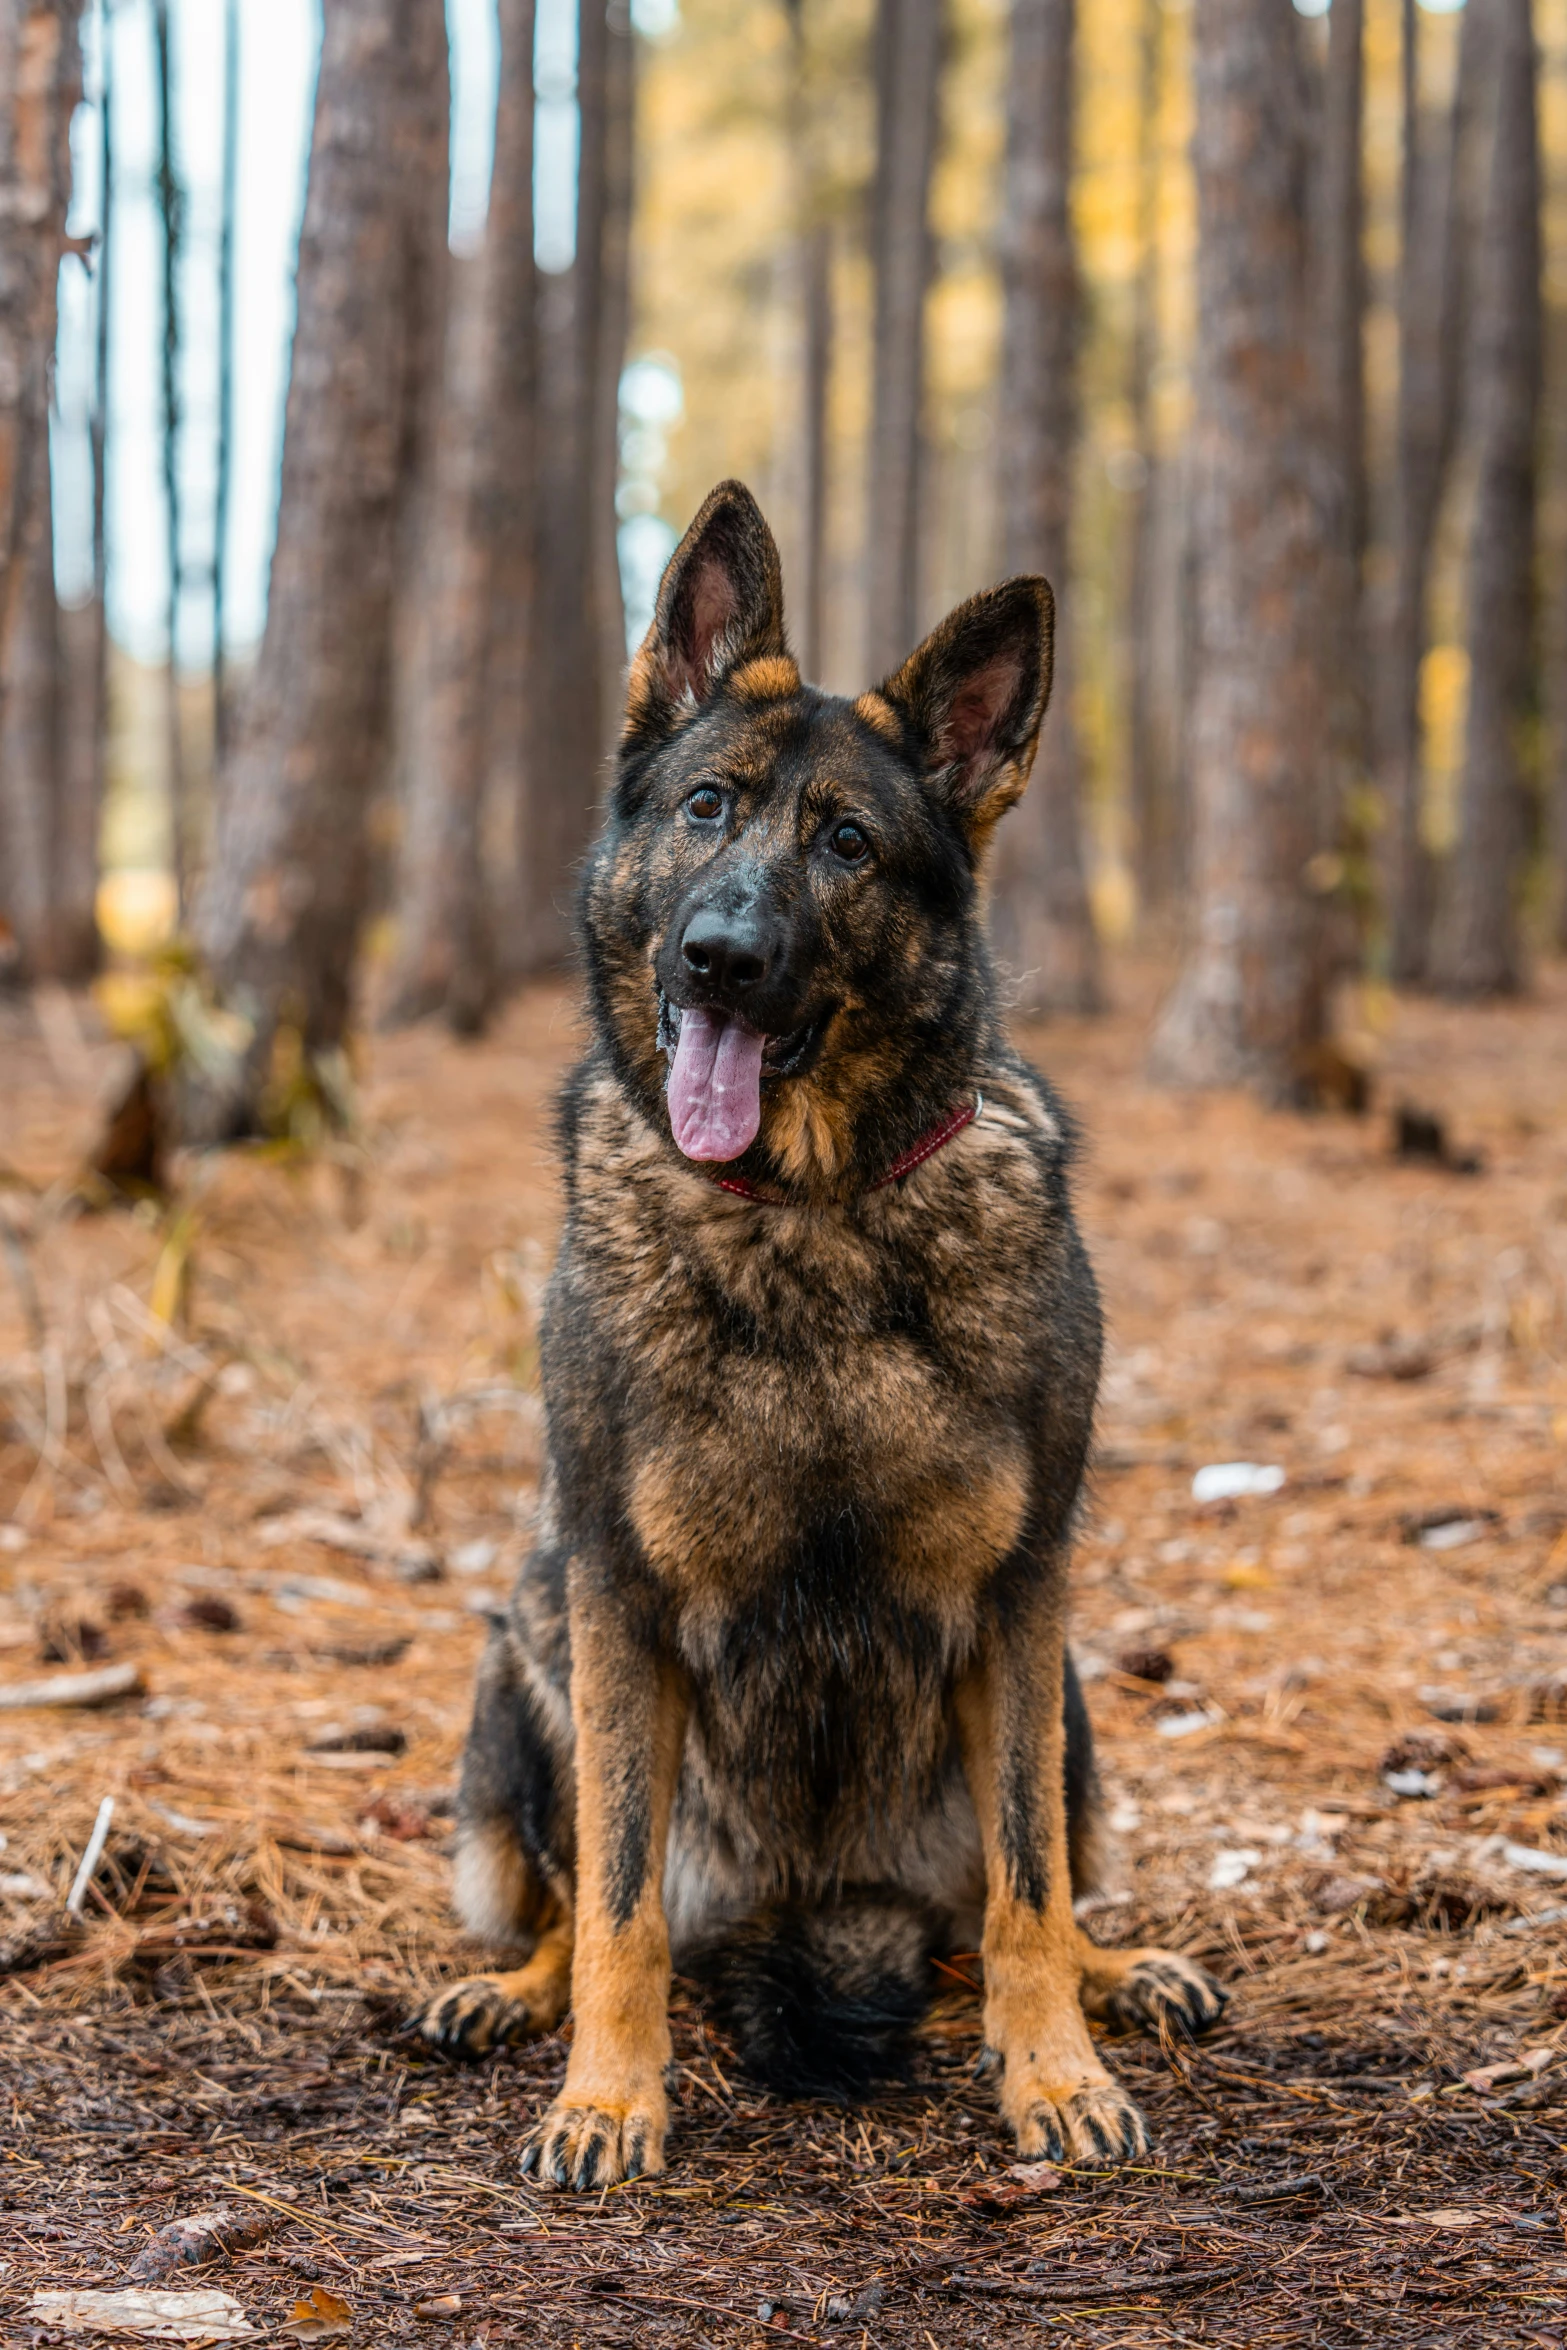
(91, 1857)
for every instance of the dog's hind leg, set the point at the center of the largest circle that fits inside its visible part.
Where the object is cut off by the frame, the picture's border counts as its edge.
(1127, 1990)
(1147, 1990)
(514, 1853)
(487, 2011)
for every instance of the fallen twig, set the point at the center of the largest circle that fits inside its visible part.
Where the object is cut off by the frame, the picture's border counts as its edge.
(75, 1689)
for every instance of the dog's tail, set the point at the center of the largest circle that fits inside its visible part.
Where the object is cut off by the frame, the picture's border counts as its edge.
(822, 2001)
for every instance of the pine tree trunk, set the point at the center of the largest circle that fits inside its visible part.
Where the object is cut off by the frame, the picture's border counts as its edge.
(1249, 1002)
(446, 959)
(908, 61)
(620, 98)
(75, 948)
(1041, 922)
(282, 909)
(816, 384)
(1342, 270)
(40, 84)
(812, 287)
(1432, 278)
(509, 673)
(1554, 650)
(30, 709)
(1148, 786)
(1480, 951)
(568, 740)
(1341, 307)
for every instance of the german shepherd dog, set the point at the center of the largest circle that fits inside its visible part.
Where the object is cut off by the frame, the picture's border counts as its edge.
(784, 1688)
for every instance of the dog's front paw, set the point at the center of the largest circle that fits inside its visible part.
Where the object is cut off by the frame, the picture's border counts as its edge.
(1092, 2122)
(583, 2146)
(469, 2018)
(1165, 1990)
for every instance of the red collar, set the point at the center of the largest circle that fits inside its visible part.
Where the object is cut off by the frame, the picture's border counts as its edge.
(929, 1143)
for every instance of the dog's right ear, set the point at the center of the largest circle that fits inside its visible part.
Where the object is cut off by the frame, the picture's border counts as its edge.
(720, 604)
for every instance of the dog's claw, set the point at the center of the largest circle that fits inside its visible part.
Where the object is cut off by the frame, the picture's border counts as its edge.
(1096, 2124)
(585, 2146)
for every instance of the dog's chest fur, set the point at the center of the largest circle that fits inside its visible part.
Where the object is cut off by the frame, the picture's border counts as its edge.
(827, 1441)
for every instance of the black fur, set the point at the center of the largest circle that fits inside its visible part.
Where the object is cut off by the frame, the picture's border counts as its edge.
(823, 2001)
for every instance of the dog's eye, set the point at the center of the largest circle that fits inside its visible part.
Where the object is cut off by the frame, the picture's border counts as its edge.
(849, 843)
(705, 803)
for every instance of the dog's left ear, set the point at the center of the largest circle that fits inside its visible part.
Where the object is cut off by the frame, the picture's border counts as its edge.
(720, 604)
(974, 694)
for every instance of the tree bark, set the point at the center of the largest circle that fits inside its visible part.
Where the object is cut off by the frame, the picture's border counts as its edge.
(30, 767)
(1342, 270)
(620, 98)
(1041, 922)
(171, 221)
(446, 961)
(1479, 951)
(1249, 1002)
(1341, 307)
(813, 291)
(1554, 650)
(40, 83)
(907, 73)
(281, 912)
(75, 950)
(1431, 303)
(576, 354)
(1149, 787)
(514, 450)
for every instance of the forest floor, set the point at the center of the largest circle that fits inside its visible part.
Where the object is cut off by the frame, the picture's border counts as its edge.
(275, 1447)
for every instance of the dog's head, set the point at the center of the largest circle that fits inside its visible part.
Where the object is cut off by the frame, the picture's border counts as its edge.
(782, 919)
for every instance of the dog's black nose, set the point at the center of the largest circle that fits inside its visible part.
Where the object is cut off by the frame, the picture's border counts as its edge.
(727, 950)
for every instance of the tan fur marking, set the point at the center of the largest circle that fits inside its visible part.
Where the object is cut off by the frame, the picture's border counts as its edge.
(612, 2112)
(644, 685)
(880, 716)
(808, 1133)
(771, 677)
(1055, 2093)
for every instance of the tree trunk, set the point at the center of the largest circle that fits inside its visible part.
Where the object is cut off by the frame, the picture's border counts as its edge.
(815, 386)
(30, 709)
(1479, 952)
(620, 97)
(75, 948)
(1041, 922)
(568, 739)
(225, 447)
(1342, 271)
(1554, 650)
(283, 905)
(171, 221)
(1149, 786)
(812, 276)
(1249, 1002)
(1341, 307)
(445, 959)
(40, 83)
(908, 60)
(514, 545)
(1432, 278)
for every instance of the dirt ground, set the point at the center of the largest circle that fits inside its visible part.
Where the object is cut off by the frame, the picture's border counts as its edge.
(274, 1448)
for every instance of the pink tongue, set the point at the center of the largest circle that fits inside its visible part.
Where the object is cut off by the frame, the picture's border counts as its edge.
(715, 1086)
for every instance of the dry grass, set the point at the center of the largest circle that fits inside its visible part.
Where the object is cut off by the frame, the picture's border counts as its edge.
(340, 1408)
